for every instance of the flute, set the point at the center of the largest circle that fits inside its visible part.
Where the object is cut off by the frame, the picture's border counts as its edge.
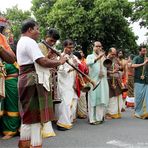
(142, 77)
(95, 85)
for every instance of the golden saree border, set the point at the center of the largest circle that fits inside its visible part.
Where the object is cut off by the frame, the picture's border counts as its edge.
(64, 125)
(16, 65)
(115, 116)
(11, 76)
(12, 114)
(8, 78)
(9, 133)
(49, 134)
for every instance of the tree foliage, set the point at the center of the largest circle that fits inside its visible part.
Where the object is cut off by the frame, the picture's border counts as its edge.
(85, 21)
(41, 9)
(71, 19)
(111, 25)
(16, 16)
(140, 8)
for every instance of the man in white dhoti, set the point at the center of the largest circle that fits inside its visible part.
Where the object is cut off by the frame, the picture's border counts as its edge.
(115, 86)
(97, 99)
(51, 38)
(66, 110)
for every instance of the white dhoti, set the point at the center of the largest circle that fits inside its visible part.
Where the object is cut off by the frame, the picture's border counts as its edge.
(95, 113)
(47, 130)
(66, 110)
(43, 78)
(115, 106)
(66, 113)
(31, 132)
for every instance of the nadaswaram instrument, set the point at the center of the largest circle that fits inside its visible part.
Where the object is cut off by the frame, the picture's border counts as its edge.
(142, 77)
(107, 62)
(84, 86)
(119, 81)
(95, 85)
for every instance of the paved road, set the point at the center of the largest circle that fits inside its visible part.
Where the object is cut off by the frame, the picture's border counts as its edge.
(127, 132)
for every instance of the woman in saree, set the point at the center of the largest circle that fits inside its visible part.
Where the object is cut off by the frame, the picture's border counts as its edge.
(10, 121)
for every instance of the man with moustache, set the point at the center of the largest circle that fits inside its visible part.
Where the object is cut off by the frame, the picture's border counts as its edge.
(51, 38)
(97, 99)
(35, 106)
(66, 110)
(115, 86)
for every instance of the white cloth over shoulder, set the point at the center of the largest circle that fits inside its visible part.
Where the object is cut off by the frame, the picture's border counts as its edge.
(28, 52)
(43, 76)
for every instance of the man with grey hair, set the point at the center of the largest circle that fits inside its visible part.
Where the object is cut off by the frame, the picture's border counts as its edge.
(115, 86)
(97, 99)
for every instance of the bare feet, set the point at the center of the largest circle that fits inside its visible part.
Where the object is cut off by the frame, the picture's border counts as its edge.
(122, 110)
(108, 117)
(82, 117)
(6, 137)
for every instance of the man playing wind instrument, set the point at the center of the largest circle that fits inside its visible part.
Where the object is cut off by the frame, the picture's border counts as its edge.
(51, 38)
(97, 99)
(35, 105)
(66, 110)
(115, 86)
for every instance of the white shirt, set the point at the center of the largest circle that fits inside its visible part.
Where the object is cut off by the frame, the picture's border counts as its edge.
(27, 51)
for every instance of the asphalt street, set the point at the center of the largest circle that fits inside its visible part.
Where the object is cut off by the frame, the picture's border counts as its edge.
(127, 132)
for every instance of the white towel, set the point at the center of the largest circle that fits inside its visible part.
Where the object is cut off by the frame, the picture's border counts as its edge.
(43, 75)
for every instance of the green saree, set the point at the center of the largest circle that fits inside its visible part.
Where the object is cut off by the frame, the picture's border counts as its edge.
(10, 121)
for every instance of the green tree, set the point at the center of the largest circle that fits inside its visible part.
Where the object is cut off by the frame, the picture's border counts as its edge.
(16, 16)
(71, 19)
(140, 8)
(41, 9)
(85, 21)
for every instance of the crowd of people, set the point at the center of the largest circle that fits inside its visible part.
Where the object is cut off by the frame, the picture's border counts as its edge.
(41, 86)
